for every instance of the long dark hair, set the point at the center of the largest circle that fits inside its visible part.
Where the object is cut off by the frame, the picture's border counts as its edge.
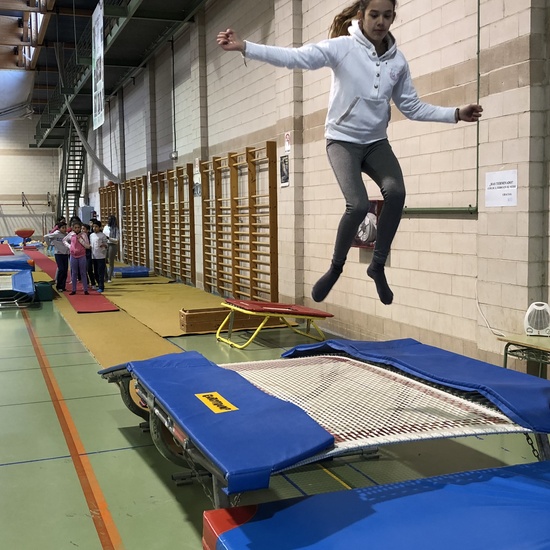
(343, 20)
(113, 227)
(112, 222)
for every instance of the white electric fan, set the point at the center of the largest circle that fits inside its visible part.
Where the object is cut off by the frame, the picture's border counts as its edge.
(537, 319)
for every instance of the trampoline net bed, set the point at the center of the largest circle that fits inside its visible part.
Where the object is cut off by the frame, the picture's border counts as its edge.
(366, 405)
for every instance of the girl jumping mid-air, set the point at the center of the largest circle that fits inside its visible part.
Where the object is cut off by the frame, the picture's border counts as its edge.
(368, 72)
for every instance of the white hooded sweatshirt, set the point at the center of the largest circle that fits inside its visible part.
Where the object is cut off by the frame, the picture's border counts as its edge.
(362, 84)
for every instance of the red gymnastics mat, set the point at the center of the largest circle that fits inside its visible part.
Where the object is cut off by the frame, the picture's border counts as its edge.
(94, 302)
(42, 261)
(5, 250)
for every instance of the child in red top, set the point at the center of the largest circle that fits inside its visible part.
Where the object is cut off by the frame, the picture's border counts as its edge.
(77, 242)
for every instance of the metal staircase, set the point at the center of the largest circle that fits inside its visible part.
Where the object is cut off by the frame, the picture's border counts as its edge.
(72, 170)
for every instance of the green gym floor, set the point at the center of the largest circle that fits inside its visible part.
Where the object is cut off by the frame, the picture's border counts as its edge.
(78, 472)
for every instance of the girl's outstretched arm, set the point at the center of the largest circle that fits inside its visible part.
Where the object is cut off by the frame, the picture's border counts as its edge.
(230, 41)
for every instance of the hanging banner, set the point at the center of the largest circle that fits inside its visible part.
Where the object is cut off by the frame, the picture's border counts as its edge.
(98, 87)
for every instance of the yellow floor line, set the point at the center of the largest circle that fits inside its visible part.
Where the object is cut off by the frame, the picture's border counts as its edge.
(334, 476)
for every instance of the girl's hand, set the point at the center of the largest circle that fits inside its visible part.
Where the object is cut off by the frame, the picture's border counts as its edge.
(230, 41)
(470, 113)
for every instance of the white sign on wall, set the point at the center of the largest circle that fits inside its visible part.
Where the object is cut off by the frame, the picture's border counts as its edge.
(287, 142)
(501, 188)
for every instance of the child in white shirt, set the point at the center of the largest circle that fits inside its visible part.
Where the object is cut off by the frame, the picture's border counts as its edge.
(99, 244)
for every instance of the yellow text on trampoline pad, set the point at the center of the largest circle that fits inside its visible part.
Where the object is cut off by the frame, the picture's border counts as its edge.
(215, 402)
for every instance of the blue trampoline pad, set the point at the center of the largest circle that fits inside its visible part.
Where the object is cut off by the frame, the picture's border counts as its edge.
(12, 240)
(16, 287)
(22, 281)
(218, 410)
(501, 508)
(17, 262)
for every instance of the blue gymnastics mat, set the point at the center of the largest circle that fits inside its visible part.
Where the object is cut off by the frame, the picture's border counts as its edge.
(504, 508)
(132, 272)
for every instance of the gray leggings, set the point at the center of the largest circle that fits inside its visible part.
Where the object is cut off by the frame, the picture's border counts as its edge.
(377, 160)
(111, 255)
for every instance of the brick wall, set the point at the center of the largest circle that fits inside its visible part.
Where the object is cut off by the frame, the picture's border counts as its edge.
(23, 170)
(445, 267)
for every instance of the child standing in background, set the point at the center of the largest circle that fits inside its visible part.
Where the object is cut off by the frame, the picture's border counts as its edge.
(61, 254)
(77, 242)
(99, 245)
(89, 266)
(112, 231)
(59, 221)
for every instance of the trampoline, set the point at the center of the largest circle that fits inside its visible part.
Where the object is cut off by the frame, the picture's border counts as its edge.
(13, 240)
(256, 419)
(16, 262)
(16, 289)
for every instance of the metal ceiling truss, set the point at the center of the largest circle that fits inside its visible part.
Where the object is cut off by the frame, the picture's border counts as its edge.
(134, 30)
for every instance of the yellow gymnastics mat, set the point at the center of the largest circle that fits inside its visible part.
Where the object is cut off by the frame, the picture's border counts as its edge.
(114, 338)
(158, 306)
(175, 309)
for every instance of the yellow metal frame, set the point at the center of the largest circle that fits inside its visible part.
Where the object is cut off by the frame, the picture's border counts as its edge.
(229, 320)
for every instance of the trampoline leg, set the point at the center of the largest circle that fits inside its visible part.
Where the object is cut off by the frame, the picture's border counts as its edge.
(543, 445)
(221, 498)
(187, 478)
